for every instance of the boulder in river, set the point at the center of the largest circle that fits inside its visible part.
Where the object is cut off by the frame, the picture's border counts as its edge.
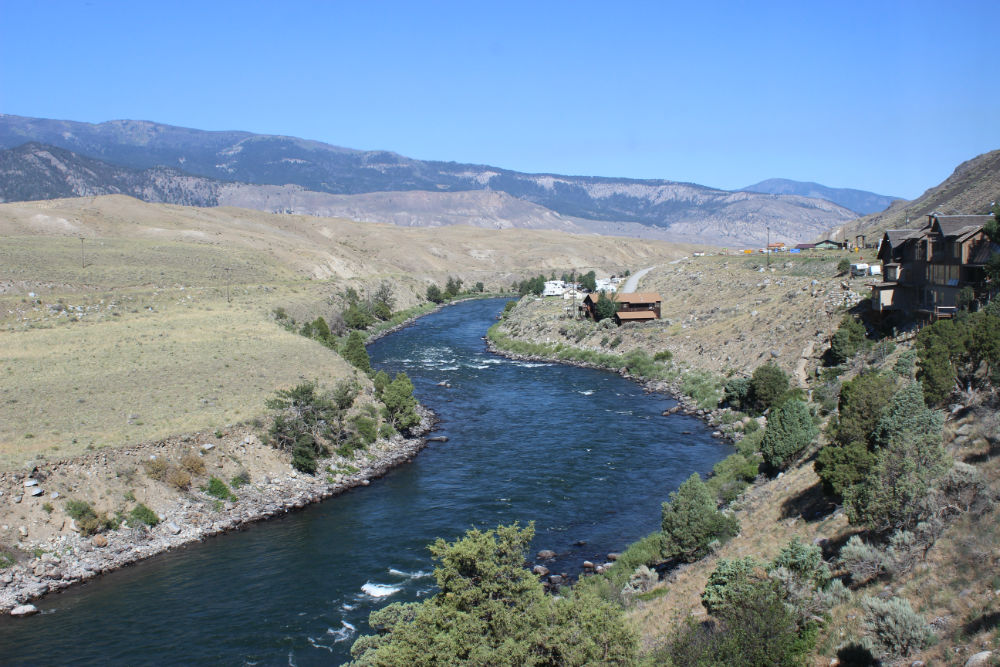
(546, 554)
(540, 570)
(24, 610)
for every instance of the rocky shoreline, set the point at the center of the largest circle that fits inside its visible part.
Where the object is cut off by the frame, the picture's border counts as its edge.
(71, 558)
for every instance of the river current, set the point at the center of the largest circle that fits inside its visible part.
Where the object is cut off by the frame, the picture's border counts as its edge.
(583, 453)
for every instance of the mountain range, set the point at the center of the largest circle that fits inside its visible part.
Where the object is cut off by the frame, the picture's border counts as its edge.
(163, 163)
(859, 201)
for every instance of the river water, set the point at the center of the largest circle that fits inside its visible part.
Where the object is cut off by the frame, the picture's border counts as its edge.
(583, 453)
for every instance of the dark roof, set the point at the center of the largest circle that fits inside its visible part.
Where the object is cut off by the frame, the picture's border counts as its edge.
(897, 236)
(805, 246)
(637, 297)
(637, 315)
(981, 253)
(955, 225)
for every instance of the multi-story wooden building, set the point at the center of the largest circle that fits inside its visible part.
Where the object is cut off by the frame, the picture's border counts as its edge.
(925, 269)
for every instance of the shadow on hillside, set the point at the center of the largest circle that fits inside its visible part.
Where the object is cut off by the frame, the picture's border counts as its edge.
(982, 623)
(983, 457)
(855, 655)
(810, 504)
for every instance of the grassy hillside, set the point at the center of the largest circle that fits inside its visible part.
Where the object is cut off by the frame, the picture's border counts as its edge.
(160, 321)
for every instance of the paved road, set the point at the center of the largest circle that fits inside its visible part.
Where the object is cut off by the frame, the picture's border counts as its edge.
(633, 280)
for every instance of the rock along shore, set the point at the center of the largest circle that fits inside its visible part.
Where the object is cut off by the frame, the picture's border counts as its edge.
(68, 558)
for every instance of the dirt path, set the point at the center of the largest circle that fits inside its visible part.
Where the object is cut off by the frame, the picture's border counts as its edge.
(633, 280)
(800, 365)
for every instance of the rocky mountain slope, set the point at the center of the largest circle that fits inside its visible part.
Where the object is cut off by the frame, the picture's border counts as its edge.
(973, 186)
(687, 211)
(859, 201)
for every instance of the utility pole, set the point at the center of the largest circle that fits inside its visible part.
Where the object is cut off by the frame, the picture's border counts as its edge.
(83, 259)
(768, 247)
(228, 277)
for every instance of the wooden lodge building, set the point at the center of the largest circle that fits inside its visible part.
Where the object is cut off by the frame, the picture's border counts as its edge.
(629, 306)
(925, 269)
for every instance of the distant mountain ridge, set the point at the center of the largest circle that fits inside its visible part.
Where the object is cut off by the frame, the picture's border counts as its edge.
(971, 189)
(292, 167)
(859, 201)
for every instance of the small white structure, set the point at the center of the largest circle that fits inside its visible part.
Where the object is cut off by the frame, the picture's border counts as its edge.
(605, 285)
(554, 288)
(859, 269)
(573, 293)
(875, 270)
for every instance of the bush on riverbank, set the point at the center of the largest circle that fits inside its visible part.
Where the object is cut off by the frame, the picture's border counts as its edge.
(491, 610)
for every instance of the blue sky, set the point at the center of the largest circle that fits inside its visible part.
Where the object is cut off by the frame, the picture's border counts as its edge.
(881, 96)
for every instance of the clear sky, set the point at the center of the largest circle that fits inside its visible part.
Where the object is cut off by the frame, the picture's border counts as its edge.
(881, 96)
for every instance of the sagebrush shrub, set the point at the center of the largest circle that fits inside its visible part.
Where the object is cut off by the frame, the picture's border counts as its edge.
(897, 630)
(193, 464)
(156, 469)
(178, 478)
(863, 561)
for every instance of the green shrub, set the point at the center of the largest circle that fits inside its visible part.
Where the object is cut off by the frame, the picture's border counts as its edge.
(663, 355)
(841, 467)
(366, 428)
(241, 478)
(48, 508)
(767, 385)
(849, 338)
(910, 457)
(354, 353)
(434, 294)
(218, 489)
(731, 476)
(6, 560)
(691, 521)
(897, 630)
(804, 560)
(730, 582)
(737, 393)
(400, 405)
(649, 551)
(142, 514)
(790, 430)
(756, 630)
(88, 521)
(356, 318)
(492, 611)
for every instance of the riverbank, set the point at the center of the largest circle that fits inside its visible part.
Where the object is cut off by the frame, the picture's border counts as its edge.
(715, 418)
(50, 554)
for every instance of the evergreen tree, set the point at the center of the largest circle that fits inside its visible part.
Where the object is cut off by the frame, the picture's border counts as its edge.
(492, 611)
(790, 429)
(910, 457)
(354, 353)
(768, 385)
(691, 521)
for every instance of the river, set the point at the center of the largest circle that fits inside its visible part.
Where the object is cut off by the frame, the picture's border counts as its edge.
(583, 453)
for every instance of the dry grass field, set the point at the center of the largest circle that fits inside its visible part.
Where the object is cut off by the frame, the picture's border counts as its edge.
(159, 321)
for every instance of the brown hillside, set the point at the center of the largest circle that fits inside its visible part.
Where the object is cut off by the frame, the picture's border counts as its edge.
(969, 190)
